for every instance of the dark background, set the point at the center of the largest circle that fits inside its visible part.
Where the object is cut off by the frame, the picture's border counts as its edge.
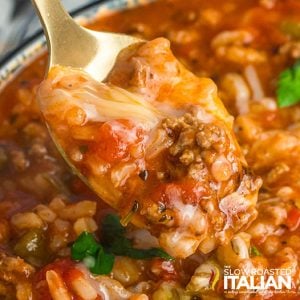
(18, 21)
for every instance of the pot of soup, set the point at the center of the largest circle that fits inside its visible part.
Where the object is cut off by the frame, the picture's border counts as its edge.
(207, 203)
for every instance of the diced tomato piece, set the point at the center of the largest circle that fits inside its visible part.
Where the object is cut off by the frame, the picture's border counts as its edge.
(62, 267)
(116, 139)
(66, 269)
(293, 219)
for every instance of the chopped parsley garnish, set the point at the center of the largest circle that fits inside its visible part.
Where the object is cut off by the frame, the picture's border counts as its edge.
(115, 241)
(288, 91)
(99, 257)
(254, 251)
(92, 254)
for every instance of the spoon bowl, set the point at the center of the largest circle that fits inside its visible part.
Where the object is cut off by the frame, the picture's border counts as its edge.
(72, 45)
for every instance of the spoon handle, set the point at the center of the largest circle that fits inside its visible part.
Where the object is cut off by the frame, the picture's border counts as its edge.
(67, 41)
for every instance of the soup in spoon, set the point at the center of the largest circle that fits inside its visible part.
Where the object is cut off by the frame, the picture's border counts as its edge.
(156, 143)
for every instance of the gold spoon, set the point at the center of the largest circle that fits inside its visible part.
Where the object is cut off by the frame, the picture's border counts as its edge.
(71, 45)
